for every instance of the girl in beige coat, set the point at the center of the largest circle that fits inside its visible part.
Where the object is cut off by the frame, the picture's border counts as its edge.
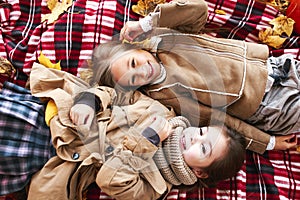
(124, 143)
(205, 79)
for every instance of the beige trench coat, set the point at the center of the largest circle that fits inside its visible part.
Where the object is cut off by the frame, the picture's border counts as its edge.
(82, 152)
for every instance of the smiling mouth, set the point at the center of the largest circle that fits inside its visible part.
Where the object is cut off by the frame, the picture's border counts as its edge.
(182, 141)
(150, 72)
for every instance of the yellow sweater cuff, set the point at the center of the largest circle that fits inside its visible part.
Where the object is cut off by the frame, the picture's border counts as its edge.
(51, 111)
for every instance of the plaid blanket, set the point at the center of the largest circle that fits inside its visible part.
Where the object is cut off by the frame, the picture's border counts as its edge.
(73, 36)
(25, 138)
(71, 39)
(274, 175)
(243, 20)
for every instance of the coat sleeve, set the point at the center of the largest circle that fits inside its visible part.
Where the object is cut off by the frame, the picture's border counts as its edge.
(104, 94)
(256, 140)
(131, 172)
(187, 16)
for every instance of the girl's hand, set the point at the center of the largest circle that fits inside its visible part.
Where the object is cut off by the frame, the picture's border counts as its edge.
(162, 127)
(82, 114)
(131, 30)
(285, 142)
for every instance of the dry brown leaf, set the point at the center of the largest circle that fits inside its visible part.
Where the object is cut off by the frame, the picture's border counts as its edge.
(220, 12)
(6, 68)
(264, 34)
(51, 4)
(282, 24)
(298, 148)
(144, 7)
(274, 36)
(275, 41)
(57, 8)
(267, 37)
(280, 5)
(140, 8)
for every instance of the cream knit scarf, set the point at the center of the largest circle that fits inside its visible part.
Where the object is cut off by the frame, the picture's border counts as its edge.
(169, 158)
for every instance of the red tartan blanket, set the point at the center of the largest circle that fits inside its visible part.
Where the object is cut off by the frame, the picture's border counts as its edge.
(71, 39)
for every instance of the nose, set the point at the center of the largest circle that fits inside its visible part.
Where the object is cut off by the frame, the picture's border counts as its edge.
(197, 138)
(140, 71)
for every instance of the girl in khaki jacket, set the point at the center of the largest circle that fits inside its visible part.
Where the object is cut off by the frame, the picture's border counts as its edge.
(205, 79)
(124, 143)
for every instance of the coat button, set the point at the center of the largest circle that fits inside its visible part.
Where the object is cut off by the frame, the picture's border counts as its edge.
(109, 149)
(75, 156)
(181, 2)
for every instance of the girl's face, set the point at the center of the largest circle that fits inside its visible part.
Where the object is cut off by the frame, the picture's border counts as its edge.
(135, 68)
(201, 146)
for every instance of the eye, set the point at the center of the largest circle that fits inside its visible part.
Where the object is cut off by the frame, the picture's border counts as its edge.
(200, 131)
(203, 149)
(133, 63)
(133, 79)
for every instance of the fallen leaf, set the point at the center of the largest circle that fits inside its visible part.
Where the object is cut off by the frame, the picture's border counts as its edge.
(144, 7)
(140, 8)
(267, 36)
(263, 34)
(47, 63)
(280, 5)
(282, 24)
(220, 12)
(57, 8)
(6, 68)
(51, 4)
(274, 36)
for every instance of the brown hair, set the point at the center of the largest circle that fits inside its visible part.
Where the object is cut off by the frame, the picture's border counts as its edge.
(228, 165)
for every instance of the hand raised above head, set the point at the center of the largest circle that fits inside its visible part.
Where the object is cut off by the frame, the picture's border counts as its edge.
(131, 30)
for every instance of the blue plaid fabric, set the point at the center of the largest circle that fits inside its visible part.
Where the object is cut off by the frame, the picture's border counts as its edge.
(25, 141)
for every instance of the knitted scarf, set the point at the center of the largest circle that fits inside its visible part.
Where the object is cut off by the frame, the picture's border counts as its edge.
(169, 158)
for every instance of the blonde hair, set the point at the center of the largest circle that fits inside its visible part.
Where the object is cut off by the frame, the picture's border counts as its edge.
(102, 57)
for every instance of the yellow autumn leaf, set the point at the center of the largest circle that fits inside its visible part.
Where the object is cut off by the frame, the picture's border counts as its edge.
(282, 24)
(6, 68)
(274, 36)
(220, 12)
(144, 7)
(51, 4)
(140, 8)
(47, 63)
(57, 8)
(267, 36)
(280, 5)
(275, 41)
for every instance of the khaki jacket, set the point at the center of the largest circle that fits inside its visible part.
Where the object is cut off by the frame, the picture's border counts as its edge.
(209, 80)
(115, 138)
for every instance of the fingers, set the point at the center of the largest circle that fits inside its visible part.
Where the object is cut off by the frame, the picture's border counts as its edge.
(158, 123)
(89, 120)
(130, 31)
(161, 126)
(82, 114)
(292, 141)
(125, 32)
(289, 139)
(122, 33)
(286, 142)
(73, 116)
